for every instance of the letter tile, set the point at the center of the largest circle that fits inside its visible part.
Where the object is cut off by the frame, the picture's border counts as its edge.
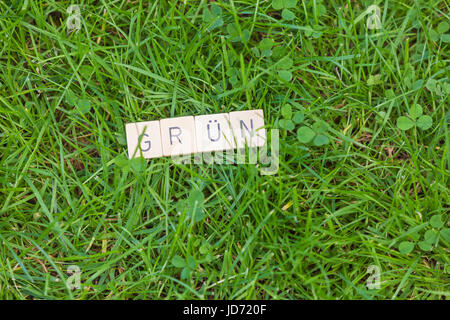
(178, 136)
(213, 132)
(248, 128)
(150, 134)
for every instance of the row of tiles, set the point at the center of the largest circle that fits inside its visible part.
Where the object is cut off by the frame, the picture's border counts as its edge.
(186, 135)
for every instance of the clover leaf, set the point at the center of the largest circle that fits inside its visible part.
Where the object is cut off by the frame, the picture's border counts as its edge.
(285, 5)
(286, 124)
(416, 111)
(316, 134)
(436, 221)
(287, 14)
(445, 234)
(425, 246)
(423, 122)
(321, 140)
(286, 111)
(434, 86)
(404, 123)
(235, 36)
(285, 75)
(213, 17)
(430, 236)
(305, 134)
(178, 261)
(193, 205)
(83, 105)
(299, 116)
(284, 64)
(233, 74)
(265, 45)
(187, 265)
(406, 247)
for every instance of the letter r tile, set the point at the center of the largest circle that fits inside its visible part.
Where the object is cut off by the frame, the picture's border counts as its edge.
(149, 135)
(248, 128)
(178, 136)
(213, 132)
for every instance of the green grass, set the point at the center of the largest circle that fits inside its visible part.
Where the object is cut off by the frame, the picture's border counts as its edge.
(68, 196)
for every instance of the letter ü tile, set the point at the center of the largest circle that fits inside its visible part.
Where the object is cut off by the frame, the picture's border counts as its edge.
(213, 132)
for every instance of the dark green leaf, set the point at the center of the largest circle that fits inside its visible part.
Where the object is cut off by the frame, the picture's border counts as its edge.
(320, 126)
(286, 111)
(434, 35)
(436, 221)
(299, 116)
(70, 98)
(266, 44)
(279, 52)
(191, 262)
(287, 14)
(415, 111)
(430, 236)
(285, 75)
(178, 261)
(425, 122)
(417, 84)
(406, 247)
(83, 105)
(289, 3)
(285, 63)
(445, 234)
(195, 205)
(286, 124)
(185, 273)
(404, 123)
(277, 4)
(425, 246)
(443, 27)
(321, 140)
(216, 10)
(305, 134)
(213, 17)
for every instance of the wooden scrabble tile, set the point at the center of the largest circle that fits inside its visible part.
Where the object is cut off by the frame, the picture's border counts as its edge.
(178, 136)
(248, 128)
(150, 135)
(213, 132)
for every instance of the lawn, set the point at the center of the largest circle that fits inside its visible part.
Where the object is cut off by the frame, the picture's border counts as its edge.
(357, 208)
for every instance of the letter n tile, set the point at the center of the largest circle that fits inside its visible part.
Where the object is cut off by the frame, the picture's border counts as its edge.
(248, 128)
